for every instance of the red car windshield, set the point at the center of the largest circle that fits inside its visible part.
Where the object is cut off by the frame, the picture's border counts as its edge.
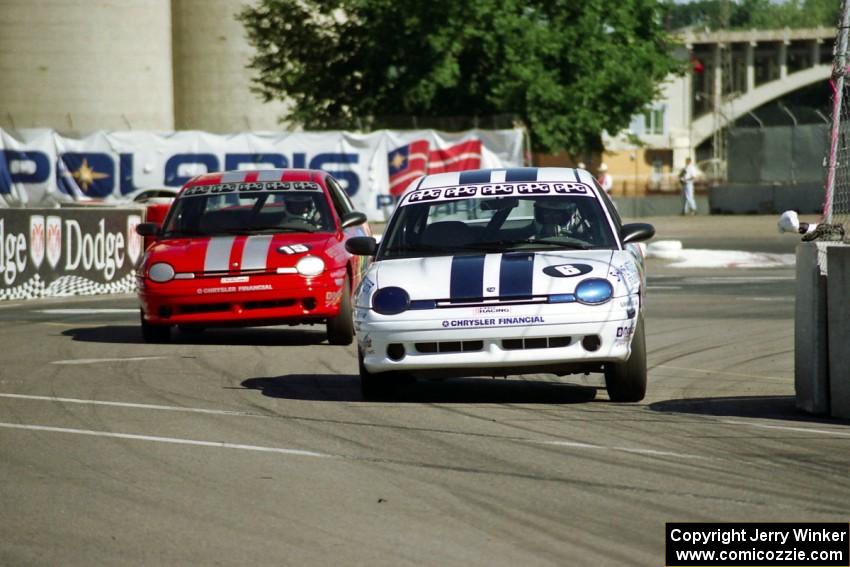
(249, 213)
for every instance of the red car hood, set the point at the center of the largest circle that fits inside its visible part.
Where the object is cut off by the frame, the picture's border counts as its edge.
(253, 254)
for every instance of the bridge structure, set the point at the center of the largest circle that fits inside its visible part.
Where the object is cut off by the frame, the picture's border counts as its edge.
(732, 74)
(763, 66)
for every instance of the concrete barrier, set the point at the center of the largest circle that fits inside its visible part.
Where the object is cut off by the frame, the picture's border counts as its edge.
(811, 363)
(838, 325)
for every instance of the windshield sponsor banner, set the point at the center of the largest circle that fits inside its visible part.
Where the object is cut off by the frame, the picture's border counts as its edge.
(42, 168)
(496, 190)
(253, 187)
(61, 252)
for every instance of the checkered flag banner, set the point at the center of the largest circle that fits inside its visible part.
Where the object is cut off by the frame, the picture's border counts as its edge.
(66, 286)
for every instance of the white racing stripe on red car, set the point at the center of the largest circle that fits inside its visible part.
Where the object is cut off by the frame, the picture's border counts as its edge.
(234, 176)
(222, 251)
(218, 253)
(271, 175)
(256, 252)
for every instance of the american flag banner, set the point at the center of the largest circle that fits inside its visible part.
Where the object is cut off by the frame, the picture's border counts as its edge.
(459, 157)
(406, 164)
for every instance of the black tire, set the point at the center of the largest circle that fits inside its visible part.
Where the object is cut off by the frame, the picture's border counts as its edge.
(374, 386)
(191, 330)
(341, 328)
(154, 333)
(626, 381)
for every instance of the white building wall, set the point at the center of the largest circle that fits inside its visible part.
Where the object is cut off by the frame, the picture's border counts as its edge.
(83, 65)
(211, 81)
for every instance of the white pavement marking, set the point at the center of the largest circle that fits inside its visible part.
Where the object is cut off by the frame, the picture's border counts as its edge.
(788, 428)
(98, 360)
(172, 440)
(128, 405)
(84, 311)
(636, 450)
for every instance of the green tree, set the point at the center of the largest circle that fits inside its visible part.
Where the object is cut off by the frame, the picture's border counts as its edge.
(568, 70)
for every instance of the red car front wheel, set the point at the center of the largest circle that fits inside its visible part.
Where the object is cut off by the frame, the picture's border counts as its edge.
(341, 328)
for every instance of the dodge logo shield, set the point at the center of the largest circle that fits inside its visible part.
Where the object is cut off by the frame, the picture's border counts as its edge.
(53, 241)
(134, 241)
(37, 240)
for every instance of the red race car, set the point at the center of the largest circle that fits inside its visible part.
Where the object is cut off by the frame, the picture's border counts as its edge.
(246, 248)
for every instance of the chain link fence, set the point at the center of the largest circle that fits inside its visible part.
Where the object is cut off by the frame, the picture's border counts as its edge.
(837, 201)
(777, 154)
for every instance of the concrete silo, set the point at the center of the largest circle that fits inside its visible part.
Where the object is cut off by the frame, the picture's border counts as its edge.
(211, 81)
(84, 65)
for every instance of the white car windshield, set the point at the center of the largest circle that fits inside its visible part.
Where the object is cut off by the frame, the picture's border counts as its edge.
(497, 224)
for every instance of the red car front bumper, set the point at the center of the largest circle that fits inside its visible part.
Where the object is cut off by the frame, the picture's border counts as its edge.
(267, 299)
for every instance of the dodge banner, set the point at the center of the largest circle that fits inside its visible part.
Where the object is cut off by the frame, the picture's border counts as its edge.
(72, 251)
(39, 168)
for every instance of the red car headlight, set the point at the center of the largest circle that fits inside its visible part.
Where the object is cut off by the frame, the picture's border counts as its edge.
(161, 272)
(310, 266)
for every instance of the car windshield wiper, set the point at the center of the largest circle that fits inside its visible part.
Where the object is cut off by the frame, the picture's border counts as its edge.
(182, 233)
(265, 230)
(578, 245)
(284, 229)
(415, 248)
(502, 244)
(495, 245)
(412, 249)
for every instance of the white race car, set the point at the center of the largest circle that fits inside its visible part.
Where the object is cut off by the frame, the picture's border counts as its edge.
(503, 272)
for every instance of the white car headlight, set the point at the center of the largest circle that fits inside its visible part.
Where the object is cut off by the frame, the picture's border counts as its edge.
(161, 272)
(310, 266)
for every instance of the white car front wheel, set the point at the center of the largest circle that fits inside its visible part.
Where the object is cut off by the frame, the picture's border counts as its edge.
(374, 386)
(626, 381)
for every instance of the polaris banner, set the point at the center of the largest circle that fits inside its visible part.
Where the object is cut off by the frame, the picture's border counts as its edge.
(62, 252)
(42, 168)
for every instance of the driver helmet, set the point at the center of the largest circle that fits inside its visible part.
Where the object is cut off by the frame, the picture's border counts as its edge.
(554, 210)
(299, 205)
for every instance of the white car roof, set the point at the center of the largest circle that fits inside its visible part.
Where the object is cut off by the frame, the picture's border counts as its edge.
(517, 174)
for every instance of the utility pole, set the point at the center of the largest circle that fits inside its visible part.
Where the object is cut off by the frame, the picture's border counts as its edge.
(723, 93)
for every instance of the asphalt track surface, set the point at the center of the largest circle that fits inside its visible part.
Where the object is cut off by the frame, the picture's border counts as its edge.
(254, 446)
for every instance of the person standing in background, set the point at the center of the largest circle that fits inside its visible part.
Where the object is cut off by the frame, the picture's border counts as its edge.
(687, 176)
(604, 179)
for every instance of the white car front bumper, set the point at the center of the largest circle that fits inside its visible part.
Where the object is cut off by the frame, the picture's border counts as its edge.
(465, 339)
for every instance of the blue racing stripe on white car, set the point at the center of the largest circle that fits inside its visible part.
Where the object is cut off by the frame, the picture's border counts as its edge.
(467, 277)
(521, 174)
(516, 277)
(476, 176)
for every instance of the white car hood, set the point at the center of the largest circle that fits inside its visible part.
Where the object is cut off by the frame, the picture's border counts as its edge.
(503, 275)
